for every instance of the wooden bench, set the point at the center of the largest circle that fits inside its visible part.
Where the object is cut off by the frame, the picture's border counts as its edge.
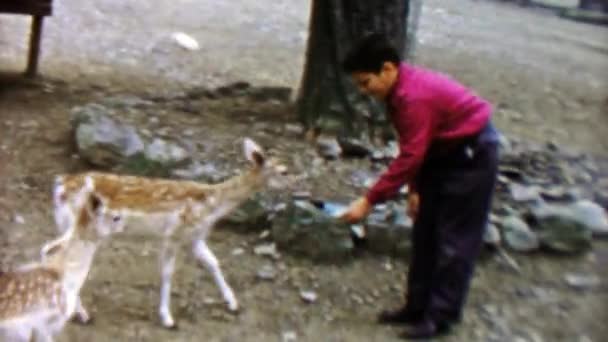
(38, 9)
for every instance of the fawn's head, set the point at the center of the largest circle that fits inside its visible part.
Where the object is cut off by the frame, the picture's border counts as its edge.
(271, 172)
(97, 221)
(92, 221)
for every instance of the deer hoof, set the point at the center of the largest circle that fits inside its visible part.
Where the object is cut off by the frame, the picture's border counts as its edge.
(169, 323)
(83, 319)
(233, 306)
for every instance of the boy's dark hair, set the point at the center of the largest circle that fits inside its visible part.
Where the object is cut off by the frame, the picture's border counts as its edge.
(370, 53)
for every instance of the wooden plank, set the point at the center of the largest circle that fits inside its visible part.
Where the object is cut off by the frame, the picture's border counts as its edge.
(31, 7)
(34, 53)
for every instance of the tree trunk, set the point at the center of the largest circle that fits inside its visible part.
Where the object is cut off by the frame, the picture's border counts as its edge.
(327, 100)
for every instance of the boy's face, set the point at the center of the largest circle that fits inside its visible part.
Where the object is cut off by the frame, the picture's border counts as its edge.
(379, 84)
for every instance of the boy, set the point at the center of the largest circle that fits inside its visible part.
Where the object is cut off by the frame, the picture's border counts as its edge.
(448, 156)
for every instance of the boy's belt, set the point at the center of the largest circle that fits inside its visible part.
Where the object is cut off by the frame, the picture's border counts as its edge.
(450, 145)
(443, 148)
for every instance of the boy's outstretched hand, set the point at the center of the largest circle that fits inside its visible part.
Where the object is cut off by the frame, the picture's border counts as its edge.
(357, 210)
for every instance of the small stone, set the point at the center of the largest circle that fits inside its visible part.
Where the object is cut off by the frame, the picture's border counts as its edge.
(357, 299)
(165, 152)
(210, 301)
(294, 129)
(377, 156)
(492, 235)
(488, 311)
(301, 195)
(264, 234)
(267, 272)
(308, 296)
(329, 148)
(353, 148)
(29, 124)
(388, 266)
(238, 251)
(582, 281)
(555, 193)
(269, 249)
(358, 231)
(518, 235)
(522, 193)
(585, 338)
(185, 41)
(19, 219)
(289, 336)
(592, 215)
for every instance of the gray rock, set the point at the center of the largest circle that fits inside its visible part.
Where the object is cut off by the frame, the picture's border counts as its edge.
(388, 230)
(556, 192)
(269, 249)
(289, 336)
(523, 193)
(102, 140)
(354, 148)
(196, 171)
(582, 281)
(591, 215)
(294, 129)
(281, 94)
(308, 296)
(587, 213)
(126, 101)
(301, 195)
(251, 216)
(561, 233)
(600, 196)
(329, 148)
(518, 236)
(238, 251)
(305, 230)
(267, 272)
(492, 235)
(505, 144)
(18, 219)
(385, 154)
(166, 153)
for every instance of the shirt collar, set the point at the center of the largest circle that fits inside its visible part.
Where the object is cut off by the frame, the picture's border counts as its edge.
(400, 85)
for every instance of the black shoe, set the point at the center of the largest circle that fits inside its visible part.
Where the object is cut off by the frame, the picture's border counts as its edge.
(425, 329)
(399, 316)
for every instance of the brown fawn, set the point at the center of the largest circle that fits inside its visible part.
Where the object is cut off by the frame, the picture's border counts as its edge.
(36, 300)
(174, 210)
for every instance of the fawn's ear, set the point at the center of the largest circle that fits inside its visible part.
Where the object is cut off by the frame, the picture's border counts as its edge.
(253, 152)
(54, 247)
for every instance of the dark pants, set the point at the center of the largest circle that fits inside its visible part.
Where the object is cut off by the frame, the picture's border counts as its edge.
(455, 184)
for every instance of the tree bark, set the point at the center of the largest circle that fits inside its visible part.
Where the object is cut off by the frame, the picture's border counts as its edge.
(327, 100)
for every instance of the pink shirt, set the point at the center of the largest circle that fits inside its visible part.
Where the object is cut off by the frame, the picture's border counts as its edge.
(426, 106)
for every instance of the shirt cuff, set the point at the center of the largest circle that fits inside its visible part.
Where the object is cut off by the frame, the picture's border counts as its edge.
(373, 197)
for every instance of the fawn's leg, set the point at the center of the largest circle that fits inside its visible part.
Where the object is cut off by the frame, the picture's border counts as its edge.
(206, 257)
(167, 266)
(41, 335)
(81, 313)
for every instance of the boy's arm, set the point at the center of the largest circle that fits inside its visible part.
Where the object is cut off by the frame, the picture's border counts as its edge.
(415, 129)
